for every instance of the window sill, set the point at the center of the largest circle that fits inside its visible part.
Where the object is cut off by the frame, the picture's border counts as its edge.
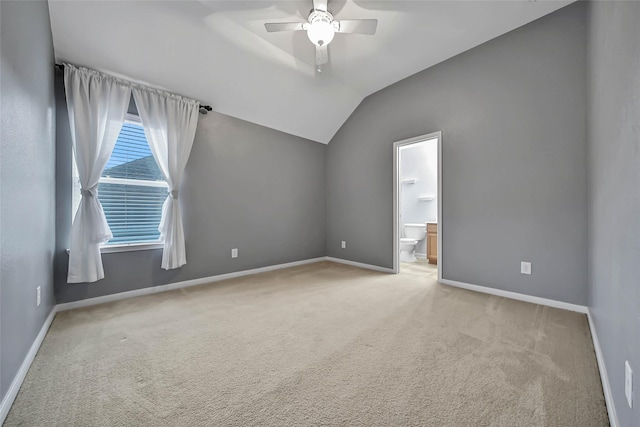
(109, 249)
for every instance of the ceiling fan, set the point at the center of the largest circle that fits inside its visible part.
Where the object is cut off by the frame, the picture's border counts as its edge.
(321, 27)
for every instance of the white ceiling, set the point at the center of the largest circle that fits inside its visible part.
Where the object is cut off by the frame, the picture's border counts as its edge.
(218, 52)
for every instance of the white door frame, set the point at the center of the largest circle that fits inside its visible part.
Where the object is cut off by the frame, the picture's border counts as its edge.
(396, 197)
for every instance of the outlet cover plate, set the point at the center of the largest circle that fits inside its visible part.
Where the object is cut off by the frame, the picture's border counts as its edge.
(525, 267)
(234, 253)
(628, 383)
(344, 244)
(38, 296)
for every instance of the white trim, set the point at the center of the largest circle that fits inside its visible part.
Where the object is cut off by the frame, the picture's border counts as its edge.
(517, 296)
(127, 181)
(421, 256)
(130, 247)
(606, 387)
(440, 257)
(360, 264)
(203, 280)
(24, 368)
(13, 390)
(132, 118)
(178, 285)
(396, 197)
(396, 207)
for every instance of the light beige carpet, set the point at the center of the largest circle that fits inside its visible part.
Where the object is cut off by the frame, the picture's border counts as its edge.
(322, 344)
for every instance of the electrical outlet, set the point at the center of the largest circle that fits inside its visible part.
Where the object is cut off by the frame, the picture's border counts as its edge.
(234, 253)
(344, 244)
(628, 383)
(525, 267)
(38, 296)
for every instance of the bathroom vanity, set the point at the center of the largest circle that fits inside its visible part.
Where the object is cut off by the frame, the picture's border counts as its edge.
(432, 242)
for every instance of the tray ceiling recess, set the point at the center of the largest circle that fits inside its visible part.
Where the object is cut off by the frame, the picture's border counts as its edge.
(220, 52)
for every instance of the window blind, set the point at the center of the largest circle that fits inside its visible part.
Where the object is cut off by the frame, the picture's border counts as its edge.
(132, 189)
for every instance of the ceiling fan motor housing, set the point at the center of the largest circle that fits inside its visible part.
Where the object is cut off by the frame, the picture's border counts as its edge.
(321, 27)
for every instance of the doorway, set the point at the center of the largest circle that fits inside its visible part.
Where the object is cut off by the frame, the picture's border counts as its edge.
(417, 204)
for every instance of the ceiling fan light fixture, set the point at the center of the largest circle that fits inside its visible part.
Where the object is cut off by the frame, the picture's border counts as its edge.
(320, 29)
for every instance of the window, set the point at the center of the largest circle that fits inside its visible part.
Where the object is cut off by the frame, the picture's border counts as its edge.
(131, 190)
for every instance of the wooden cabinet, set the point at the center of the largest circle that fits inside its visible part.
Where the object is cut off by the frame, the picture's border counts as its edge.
(432, 243)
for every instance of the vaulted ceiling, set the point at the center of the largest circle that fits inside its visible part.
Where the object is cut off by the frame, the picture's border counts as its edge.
(219, 52)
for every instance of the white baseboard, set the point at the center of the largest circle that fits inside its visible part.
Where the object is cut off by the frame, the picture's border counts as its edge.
(9, 398)
(178, 285)
(24, 368)
(421, 256)
(608, 395)
(517, 296)
(360, 264)
(26, 364)
(606, 387)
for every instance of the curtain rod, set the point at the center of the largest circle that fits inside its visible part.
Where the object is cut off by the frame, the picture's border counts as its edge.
(204, 109)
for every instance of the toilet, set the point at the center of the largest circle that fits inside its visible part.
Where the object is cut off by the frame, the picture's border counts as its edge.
(413, 234)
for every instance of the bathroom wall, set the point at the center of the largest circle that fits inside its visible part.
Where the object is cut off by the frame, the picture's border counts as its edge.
(420, 162)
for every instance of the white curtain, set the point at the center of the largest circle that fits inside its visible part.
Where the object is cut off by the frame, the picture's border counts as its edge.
(169, 123)
(97, 104)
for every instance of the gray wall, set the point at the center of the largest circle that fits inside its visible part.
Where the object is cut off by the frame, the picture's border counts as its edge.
(614, 190)
(513, 116)
(245, 186)
(26, 177)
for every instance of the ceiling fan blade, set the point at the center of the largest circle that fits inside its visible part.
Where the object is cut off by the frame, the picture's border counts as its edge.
(284, 26)
(320, 5)
(322, 56)
(358, 26)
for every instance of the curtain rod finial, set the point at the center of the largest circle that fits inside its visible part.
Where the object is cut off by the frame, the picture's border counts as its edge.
(204, 109)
